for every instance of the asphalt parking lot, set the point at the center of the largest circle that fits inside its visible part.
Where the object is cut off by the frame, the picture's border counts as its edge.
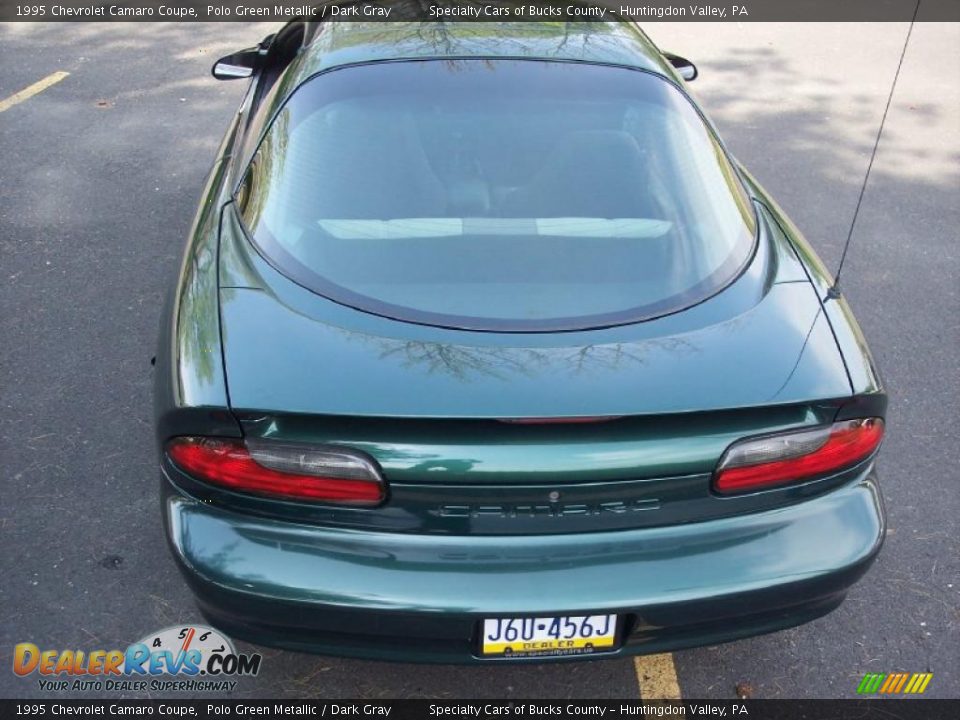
(99, 179)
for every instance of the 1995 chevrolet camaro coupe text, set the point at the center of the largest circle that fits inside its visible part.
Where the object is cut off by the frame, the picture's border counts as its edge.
(484, 348)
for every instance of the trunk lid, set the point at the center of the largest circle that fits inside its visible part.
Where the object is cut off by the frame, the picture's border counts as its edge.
(429, 404)
(761, 341)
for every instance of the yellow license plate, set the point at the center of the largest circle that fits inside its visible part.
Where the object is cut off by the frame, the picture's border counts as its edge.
(545, 636)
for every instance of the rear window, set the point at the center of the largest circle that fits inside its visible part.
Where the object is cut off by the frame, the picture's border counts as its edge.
(500, 195)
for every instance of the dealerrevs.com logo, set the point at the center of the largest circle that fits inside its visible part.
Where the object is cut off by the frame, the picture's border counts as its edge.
(187, 658)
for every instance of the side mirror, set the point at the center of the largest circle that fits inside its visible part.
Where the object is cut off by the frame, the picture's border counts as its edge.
(686, 69)
(238, 65)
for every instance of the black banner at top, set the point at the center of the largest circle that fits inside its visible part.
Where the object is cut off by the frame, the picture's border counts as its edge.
(628, 709)
(479, 10)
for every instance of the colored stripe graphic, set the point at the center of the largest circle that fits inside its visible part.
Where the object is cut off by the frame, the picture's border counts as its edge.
(900, 682)
(871, 683)
(894, 683)
(922, 682)
(865, 683)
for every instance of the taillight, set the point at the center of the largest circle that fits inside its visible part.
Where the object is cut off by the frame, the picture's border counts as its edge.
(760, 463)
(281, 470)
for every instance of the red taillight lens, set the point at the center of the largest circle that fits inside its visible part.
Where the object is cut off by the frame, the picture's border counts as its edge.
(281, 470)
(759, 463)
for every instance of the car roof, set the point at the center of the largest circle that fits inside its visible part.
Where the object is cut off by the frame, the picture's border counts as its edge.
(335, 44)
(331, 44)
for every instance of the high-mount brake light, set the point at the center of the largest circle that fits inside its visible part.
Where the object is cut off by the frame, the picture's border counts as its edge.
(765, 462)
(574, 420)
(281, 470)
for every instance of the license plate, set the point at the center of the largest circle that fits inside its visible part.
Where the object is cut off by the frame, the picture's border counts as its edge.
(544, 636)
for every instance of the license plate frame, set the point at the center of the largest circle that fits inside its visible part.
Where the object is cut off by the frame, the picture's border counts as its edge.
(548, 636)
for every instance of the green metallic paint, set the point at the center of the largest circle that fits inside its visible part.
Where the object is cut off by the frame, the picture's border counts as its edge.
(341, 44)
(190, 393)
(411, 580)
(613, 43)
(452, 574)
(764, 335)
(861, 368)
(523, 506)
(480, 452)
(433, 590)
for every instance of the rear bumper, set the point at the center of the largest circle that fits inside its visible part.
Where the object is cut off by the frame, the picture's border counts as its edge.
(420, 597)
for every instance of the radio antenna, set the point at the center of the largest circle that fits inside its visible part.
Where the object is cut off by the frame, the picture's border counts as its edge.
(834, 291)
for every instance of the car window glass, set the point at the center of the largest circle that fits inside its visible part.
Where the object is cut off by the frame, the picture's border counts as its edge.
(498, 195)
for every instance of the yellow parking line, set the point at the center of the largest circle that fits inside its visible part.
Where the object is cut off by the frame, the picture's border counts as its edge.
(31, 90)
(657, 677)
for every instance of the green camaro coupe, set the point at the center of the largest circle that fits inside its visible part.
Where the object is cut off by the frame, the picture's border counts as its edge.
(484, 348)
